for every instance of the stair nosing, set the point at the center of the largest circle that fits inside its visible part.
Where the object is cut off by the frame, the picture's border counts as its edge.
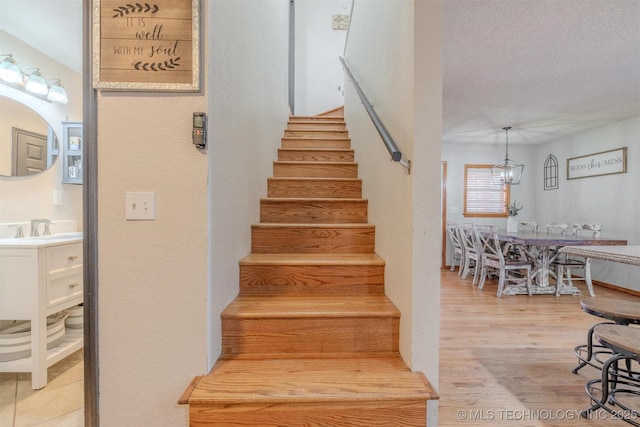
(246, 307)
(312, 259)
(314, 199)
(313, 178)
(321, 149)
(312, 225)
(312, 162)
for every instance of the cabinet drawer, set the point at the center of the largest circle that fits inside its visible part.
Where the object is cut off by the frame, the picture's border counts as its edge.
(64, 256)
(64, 285)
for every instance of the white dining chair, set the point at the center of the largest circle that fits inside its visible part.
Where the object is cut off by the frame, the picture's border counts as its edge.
(531, 226)
(566, 266)
(456, 243)
(494, 261)
(471, 258)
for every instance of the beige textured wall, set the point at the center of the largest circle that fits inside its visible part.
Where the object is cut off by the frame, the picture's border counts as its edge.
(402, 79)
(163, 283)
(152, 293)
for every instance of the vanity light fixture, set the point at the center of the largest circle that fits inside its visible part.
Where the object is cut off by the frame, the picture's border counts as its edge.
(34, 82)
(30, 81)
(57, 92)
(507, 172)
(9, 71)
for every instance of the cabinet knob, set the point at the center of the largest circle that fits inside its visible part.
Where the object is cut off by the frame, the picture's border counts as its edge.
(74, 285)
(73, 257)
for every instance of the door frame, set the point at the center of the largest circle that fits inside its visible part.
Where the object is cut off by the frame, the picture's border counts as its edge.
(90, 219)
(443, 207)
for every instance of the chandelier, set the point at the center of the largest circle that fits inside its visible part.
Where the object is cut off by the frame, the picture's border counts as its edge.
(507, 172)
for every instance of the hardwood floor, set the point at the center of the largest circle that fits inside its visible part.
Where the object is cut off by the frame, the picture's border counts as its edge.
(507, 361)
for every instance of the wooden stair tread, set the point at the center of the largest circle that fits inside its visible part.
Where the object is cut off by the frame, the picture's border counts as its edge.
(307, 137)
(285, 306)
(345, 150)
(312, 259)
(309, 225)
(314, 199)
(312, 179)
(315, 119)
(311, 162)
(310, 380)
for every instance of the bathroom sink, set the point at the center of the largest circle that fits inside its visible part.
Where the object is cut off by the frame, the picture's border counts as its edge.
(75, 236)
(70, 235)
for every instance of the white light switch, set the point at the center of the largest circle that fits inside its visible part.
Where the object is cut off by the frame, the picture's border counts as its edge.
(140, 206)
(57, 198)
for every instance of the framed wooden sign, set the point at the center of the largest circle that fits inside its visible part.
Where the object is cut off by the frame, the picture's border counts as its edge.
(603, 163)
(152, 45)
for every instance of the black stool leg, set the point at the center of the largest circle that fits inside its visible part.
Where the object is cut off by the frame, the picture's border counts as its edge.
(586, 361)
(605, 386)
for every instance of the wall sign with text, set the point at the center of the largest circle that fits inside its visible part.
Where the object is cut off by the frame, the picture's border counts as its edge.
(151, 45)
(603, 163)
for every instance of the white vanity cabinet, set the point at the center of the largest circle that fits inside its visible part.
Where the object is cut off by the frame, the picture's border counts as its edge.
(40, 277)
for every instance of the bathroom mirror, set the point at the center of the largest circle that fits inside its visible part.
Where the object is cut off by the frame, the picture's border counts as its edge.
(28, 144)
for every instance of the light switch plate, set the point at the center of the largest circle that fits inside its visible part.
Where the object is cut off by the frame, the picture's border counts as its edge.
(140, 206)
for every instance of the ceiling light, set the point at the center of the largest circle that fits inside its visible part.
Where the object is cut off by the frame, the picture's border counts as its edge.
(9, 71)
(57, 92)
(30, 81)
(507, 172)
(34, 82)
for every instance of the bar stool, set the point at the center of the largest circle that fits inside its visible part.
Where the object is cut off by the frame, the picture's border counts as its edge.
(617, 311)
(624, 343)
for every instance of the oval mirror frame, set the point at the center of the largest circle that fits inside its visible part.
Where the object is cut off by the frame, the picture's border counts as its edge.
(24, 133)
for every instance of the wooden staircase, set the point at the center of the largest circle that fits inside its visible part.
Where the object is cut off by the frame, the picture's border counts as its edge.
(311, 340)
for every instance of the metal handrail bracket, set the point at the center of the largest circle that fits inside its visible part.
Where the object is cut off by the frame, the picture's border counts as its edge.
(396, 154)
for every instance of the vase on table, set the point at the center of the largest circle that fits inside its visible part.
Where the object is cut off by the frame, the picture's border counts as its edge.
(512, 225)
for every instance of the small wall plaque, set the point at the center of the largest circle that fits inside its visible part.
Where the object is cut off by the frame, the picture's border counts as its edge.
(146, 45)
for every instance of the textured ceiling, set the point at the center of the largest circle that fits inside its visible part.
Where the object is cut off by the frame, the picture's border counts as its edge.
(548, 68)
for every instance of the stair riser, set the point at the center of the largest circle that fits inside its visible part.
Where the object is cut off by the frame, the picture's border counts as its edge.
(316, 126)
(343, 143)
(313, 211)
(314, 188)
(329, 414)
(320, 170)
(314, 240)
(316, 133)
(309, 335)
(310, 155)
(311, 280)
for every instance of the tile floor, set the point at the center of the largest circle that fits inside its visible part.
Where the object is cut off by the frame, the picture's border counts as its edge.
(59, 404)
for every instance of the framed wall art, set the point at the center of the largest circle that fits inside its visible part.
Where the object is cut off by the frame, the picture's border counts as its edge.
(602, 163)
(151, 45)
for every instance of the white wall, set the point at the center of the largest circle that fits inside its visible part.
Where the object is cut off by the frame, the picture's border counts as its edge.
(402, 79)
(612, 201)
(248, 115)
(458, 155)
(24, 198)
(318, 72)
(164, 282)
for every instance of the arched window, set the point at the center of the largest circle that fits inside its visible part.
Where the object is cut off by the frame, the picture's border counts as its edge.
(551, 173)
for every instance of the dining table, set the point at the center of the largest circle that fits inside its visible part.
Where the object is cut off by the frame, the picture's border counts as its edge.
(623, 254)
(546, 246)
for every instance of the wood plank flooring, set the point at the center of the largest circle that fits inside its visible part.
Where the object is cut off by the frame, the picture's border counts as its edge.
(507, 361)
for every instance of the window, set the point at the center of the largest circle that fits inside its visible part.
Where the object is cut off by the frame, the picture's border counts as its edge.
(483, 197)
